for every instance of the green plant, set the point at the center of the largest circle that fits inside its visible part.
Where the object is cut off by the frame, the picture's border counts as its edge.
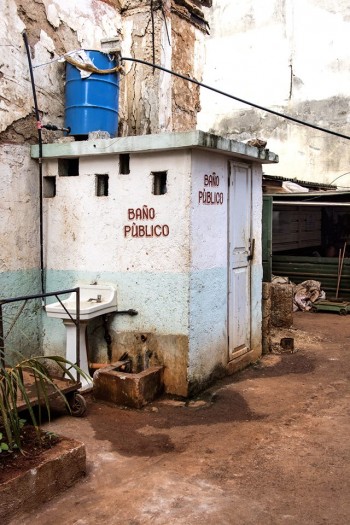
(13, 390)
(3, 445)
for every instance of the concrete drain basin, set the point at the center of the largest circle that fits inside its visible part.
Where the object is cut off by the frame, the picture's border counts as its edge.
(135, 390)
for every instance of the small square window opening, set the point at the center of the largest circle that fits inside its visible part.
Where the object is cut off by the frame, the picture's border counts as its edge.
(102, 185)
(124, 164)
(159, 182)
(49, 187)
(68, 167)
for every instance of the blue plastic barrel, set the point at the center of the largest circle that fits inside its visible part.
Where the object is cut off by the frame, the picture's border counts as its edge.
(92, 102)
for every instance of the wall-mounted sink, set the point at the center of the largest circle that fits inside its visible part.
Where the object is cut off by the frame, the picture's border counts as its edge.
(95, 300)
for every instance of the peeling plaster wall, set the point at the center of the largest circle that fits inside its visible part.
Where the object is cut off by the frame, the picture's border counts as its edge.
(150, 101)
(140, 88)
(53, 27)
(154, 101)
(290, 56)
(185, 95)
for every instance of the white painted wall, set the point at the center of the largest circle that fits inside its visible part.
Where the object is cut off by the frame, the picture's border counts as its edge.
(249, 53)
(19, 207)
(90, 229)
(85, 238)
(256, 264)
(208, 305)
(209, 267)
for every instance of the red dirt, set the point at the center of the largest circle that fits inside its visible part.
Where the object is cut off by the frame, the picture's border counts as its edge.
(269, 445)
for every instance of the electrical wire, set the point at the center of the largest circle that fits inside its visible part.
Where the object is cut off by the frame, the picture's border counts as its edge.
(252, 104)
(166, 24)
(342, 175)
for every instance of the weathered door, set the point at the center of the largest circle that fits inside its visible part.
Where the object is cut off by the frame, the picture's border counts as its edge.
(240, 254)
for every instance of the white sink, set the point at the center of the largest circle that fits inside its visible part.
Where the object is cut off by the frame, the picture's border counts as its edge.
(95, 300)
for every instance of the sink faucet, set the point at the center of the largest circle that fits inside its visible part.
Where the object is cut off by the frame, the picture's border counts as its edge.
(94, 299)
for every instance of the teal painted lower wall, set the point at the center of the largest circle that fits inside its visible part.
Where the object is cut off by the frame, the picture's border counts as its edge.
(24, 338)
(208, 323)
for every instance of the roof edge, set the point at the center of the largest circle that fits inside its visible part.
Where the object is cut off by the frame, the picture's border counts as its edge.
(156, 142)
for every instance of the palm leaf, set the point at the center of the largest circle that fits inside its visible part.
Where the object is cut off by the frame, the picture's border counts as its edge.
(12, 385)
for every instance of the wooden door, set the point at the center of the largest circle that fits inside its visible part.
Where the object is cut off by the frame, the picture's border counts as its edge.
(240, 244)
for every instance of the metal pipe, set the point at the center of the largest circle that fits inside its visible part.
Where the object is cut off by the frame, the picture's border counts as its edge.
(41, 296)
(77, 330)
(37, 296)
(40, 159)
(2, 340)
(127, 312)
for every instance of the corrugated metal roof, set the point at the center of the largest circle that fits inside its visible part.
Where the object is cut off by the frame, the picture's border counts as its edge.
(305, 183)
(313, 197)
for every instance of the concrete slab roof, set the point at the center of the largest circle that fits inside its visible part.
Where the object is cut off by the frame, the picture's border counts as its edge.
(157, 142)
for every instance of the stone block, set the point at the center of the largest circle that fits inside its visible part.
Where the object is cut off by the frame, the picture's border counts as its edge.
(58, 468)
(128, 389)
(282, 305)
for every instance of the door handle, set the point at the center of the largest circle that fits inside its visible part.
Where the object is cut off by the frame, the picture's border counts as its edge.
(252, 248)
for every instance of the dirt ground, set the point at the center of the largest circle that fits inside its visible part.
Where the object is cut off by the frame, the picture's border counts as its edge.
(270, 445)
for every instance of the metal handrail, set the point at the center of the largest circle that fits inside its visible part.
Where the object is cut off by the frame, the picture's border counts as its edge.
(26, 298)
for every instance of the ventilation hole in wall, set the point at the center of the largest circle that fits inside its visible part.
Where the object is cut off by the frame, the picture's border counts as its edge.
(124, 164)
(159, 182)
(68, 167)
(49, 187)
(102, 185)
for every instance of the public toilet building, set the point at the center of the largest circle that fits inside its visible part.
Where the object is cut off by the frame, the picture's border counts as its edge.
(173, 222)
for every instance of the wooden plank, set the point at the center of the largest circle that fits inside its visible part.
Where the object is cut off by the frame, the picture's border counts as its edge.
(64, 385)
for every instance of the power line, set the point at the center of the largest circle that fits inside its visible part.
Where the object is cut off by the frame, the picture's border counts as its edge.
(342, 175)
(252, 104)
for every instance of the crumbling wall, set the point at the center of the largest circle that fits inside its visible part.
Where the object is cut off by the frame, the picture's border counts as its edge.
(140, 93)
(185, 100)
(53, 28)
(291, 57)
(168, 32)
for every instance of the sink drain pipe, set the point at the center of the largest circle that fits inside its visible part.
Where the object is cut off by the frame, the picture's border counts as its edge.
(108, 338)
